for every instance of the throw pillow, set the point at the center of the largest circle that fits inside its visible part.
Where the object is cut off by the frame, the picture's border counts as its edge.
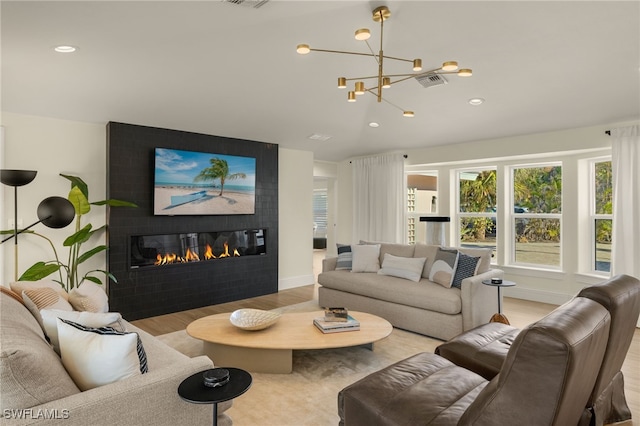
(37, 299)
(443, 267)
(345, 257)
(88, 319)
(467, 267)
(366, 258)
(409, 268)
(89, 297)
(11, 293)
(99, 356)
(20, 286)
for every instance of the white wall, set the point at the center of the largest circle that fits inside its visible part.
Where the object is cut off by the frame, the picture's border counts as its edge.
(295, 210)
(568, 146)
(53, 146)
(50, 147)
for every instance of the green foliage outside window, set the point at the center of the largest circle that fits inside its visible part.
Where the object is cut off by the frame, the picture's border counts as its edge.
(477, 196)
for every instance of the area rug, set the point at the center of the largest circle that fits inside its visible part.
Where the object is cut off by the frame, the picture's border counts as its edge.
(309, 395)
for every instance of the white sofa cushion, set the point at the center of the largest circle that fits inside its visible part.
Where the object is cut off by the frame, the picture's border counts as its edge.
(89, 297)
(365, 258)
(99, 356)
(409, 268)
(88, 319)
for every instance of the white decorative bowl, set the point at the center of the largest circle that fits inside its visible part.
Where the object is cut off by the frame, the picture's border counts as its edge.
(253, 319)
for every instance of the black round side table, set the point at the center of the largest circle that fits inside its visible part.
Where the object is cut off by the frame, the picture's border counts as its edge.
(499, 317)
(192, 389)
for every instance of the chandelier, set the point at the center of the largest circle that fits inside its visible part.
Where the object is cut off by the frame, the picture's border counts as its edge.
(383, 80)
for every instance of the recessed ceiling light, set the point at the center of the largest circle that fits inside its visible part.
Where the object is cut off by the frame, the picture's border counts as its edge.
(318, 137)
(476, 101)
(65, 49)
(374, 124)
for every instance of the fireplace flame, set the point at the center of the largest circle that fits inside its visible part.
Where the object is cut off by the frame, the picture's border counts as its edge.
(208, 253)
(191, 256)
(225, 253)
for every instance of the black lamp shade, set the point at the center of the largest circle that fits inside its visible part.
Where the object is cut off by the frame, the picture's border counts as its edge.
(17, 177)
(56, 212)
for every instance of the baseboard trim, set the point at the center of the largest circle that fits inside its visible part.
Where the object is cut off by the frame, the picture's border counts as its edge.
(537, 295)
(293, 282)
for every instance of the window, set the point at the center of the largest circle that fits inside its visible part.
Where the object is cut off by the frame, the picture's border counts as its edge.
(601, 215)
(320, 213)
(477, 208)
(422, 196)
(536, 215)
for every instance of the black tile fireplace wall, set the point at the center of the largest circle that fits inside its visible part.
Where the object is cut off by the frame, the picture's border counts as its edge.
(145, 292)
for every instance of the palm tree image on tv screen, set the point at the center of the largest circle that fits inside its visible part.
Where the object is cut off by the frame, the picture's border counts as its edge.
(201, 183)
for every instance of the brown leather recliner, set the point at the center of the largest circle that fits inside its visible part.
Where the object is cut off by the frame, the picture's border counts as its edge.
(484, 348)
(546, 379)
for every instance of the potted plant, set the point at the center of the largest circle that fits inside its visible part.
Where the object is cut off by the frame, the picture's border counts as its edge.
(69, 274)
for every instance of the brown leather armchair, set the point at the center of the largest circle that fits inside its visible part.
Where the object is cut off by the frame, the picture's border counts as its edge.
(484, 349)
(546, 379)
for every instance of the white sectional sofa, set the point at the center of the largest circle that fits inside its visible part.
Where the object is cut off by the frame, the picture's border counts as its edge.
(424, 307)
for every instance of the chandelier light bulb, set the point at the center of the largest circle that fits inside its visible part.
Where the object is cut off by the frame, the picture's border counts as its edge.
(386, 82)
(417, 64)
(359, 88)
(465, 72)
(303, 49)
(362, 34)
(408, 114)
(342, 83)
(450, 66)
(351, 96)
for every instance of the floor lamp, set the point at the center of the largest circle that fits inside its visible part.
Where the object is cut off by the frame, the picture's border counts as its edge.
(53, 212)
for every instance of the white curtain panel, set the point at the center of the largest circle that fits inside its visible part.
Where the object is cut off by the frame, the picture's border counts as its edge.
(625, 150)
(379, 198)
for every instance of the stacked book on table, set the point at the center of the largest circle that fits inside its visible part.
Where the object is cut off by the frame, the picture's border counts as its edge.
(336, 320)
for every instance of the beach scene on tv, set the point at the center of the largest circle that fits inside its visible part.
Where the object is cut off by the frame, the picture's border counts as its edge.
(200, 183)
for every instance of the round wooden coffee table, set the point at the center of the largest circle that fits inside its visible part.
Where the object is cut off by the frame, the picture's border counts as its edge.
(271, 350)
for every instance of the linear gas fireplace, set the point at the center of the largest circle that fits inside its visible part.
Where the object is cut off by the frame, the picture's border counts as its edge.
(149, 251)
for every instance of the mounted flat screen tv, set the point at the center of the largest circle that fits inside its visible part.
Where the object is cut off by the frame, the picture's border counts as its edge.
(203, 183)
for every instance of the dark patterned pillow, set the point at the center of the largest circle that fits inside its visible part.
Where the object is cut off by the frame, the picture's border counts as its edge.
(467, 267)
(345, 257)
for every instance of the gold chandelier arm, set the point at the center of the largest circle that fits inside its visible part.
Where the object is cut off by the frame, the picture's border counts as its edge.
(398, 59)
(393, 105)
(372, 52)
(361, 78)
(341, 52)
(375, 93)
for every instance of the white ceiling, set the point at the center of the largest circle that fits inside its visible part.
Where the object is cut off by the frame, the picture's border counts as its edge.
(229, 70)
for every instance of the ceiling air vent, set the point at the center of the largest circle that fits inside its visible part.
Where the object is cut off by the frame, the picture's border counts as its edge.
(431, 79)
(255, 4)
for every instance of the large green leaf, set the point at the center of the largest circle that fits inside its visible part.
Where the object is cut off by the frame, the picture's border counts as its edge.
(79, 237)
(79, 201)
(76, 181)
(93, 279)
(91, 253)
(39, 271)
(114, 203)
